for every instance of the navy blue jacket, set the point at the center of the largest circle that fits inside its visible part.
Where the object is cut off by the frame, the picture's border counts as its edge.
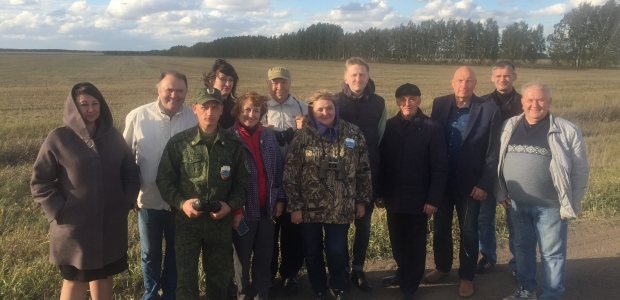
(479, 151)
(514, 108)
(365, 113)
(414, 164)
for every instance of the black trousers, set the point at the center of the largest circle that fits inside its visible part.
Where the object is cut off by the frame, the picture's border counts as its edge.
(467, 210)
(408, 239)
(290, 247)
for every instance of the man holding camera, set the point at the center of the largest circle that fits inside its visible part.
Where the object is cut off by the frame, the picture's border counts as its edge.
(285, 116)
(203, 173)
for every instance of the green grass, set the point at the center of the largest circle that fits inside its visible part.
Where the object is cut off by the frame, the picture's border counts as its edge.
(34, 87)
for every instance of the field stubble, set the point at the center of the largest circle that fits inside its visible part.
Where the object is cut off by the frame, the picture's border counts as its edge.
(32, 96)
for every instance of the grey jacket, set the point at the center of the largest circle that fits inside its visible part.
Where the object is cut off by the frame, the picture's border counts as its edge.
(569, 164)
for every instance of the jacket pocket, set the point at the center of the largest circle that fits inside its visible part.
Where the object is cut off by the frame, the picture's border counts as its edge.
(193, 165)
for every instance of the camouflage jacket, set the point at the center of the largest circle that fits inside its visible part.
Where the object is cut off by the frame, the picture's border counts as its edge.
(188, 170)
(328, 200)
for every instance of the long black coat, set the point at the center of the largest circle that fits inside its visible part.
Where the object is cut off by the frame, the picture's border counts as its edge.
(414, 164)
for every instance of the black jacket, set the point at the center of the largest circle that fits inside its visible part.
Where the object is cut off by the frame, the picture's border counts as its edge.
(479, 151)
(414, 164)
(364, 112)
(508, 110)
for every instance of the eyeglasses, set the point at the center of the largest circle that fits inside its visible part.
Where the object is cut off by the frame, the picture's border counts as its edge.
(225, 80)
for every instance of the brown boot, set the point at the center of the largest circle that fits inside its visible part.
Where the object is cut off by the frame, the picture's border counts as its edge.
(466, 289)
(434, 276)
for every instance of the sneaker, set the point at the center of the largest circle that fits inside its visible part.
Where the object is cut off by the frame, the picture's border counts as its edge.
(484, 265)
(520, 293)
(320, 296)
(339, 294)
(291, 288)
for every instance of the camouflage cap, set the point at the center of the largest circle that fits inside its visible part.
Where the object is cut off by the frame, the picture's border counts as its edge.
(207, 94)
(278, 72)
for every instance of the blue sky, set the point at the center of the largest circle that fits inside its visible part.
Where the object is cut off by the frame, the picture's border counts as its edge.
(161, 24)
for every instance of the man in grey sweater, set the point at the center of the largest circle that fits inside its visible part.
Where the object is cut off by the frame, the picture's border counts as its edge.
(543, 172)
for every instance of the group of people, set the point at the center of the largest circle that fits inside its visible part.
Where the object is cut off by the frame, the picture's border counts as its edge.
(256, 185)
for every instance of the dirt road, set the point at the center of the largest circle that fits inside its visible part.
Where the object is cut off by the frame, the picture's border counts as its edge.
(593, 270)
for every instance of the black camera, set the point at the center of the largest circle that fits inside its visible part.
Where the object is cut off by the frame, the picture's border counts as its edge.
(285, 137)
(332, 164)
(203, 204)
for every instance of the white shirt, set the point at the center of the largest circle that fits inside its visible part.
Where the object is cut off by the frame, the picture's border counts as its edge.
(147, 131)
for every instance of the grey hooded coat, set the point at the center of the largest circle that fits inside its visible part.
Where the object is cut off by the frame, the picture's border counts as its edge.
(86, 188)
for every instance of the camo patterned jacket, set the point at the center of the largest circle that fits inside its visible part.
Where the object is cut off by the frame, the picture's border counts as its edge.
(188, 170)
(328, 200)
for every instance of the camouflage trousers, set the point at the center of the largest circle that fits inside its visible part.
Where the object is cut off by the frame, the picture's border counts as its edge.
(214, 238)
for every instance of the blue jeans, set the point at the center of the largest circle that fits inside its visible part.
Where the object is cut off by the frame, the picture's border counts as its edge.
(153, 225)
(335, 242)
(486, 232)
(543, 226)
(467, 210)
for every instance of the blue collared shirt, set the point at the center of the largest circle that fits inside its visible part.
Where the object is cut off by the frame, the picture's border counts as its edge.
(457, 121)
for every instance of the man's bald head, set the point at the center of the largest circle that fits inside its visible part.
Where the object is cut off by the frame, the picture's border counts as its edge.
(464, 83)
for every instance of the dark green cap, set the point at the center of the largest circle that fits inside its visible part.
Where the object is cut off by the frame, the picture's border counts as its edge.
(207, 94)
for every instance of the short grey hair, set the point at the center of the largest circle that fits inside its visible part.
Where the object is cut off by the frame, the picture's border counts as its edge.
(537, 84)
(503, 64)
(174, 73)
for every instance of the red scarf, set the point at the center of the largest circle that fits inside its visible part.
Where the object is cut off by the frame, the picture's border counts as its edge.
(253, 142)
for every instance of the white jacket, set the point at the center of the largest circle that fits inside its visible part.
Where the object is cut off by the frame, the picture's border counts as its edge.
(569, 164)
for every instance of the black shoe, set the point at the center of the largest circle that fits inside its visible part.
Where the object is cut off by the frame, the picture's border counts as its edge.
(390, 281)
(232, 289)
(359, 279)
(483, 265)
(407, 296)
(291, 288)
(320, 295)
(339, 294)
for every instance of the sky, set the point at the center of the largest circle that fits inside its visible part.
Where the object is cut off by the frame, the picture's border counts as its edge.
(160, 24)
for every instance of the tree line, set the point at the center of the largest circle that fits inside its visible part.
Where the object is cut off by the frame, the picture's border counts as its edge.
(587, 36)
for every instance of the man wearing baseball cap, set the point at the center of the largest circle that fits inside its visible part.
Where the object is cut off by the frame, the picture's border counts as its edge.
(209, 163)
(284, 116)
(414, 171)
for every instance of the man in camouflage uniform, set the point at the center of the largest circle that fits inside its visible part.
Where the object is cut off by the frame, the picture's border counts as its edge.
(204, 161)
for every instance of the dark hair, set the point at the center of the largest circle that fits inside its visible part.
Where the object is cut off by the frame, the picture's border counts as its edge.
(174, 73)
(86, 88)
(255, 99)
(503, 64)
(224, 67)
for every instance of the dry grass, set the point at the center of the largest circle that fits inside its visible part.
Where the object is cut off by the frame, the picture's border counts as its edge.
(34, 88)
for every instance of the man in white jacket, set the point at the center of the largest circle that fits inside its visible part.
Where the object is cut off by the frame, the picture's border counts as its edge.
(543, 173)
(147, 130)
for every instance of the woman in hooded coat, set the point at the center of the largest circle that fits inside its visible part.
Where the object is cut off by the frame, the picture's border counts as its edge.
(86, 181)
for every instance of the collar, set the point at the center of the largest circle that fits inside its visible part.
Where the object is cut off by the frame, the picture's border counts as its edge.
(289, 101)
(198, 140)
(161, 110)
(468, 105)
(504, 97)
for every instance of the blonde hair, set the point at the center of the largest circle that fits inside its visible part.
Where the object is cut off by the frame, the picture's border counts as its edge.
(355, 61)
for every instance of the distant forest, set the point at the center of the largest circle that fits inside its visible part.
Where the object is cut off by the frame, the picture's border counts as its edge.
(587, 36)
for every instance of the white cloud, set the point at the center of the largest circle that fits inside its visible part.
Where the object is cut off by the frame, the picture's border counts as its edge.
(354, 16)
(78, 8)
(237, 5)
(553, 10)
(135, 9)
(463, 10)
